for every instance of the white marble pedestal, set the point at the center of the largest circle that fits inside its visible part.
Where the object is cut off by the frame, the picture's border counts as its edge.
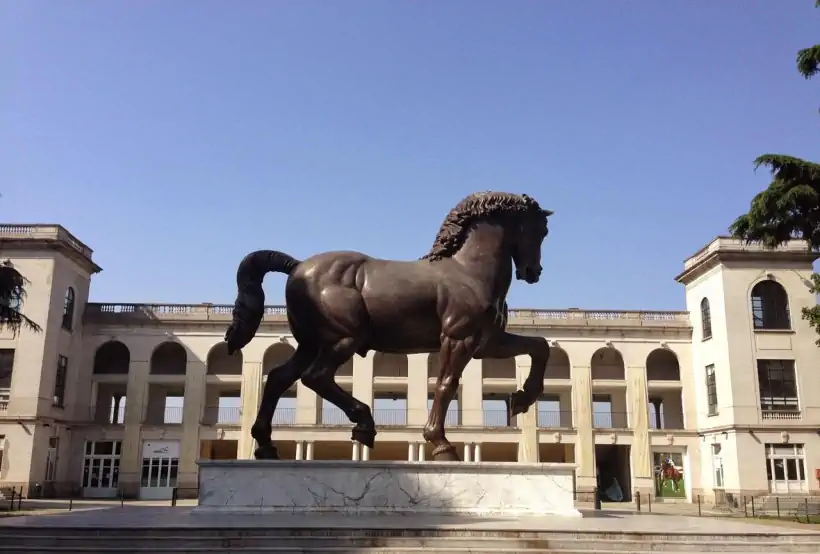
(483, 488)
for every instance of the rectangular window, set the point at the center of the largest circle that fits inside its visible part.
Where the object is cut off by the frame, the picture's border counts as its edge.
(59, 381)
(717, 465)
(711, 390)
(6, 367)
(778, 385)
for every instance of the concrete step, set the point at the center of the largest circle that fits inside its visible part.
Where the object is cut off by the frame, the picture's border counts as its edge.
(344, 550)
(257, 541)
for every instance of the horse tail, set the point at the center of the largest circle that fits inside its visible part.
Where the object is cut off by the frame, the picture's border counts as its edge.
(249, 307)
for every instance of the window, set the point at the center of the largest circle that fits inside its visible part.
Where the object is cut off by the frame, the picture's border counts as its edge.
(706, 319)
(59, 381)
(770, 306)
(778, 386)
(6, 367)
(68, 309)
(52, 458)
(717, 465)
(711, 390)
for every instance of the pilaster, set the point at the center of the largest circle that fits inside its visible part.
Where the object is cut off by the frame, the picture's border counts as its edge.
(528, 421)
(585, 441)
(417, 388)
(307, 405)
(192, 410)
(638, 402)
(251, 397)
(471, 400)
(363, 378)
(131, 459)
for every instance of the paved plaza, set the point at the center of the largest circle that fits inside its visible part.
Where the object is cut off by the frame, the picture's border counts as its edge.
(602, 521)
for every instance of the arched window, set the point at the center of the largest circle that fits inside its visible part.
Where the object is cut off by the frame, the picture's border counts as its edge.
(706, 319)
(770, 306)
(68, 309)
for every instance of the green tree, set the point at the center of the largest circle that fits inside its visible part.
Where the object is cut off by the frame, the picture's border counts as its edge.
(12, 295)
(790, 207)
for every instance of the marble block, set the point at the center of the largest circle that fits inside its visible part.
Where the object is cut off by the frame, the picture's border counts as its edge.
(483, 488)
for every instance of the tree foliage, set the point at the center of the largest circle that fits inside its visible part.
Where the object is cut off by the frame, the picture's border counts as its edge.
(12, 296)
(790, 207)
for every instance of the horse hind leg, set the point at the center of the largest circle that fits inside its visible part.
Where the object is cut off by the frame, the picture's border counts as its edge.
(279, 380)
(320, 378)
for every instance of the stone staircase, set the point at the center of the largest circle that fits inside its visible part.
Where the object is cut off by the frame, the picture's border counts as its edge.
(246, 540)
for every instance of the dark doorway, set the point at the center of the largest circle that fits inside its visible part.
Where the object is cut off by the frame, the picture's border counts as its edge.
(612, 465)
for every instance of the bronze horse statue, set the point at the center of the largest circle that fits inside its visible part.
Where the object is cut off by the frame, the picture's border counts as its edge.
(451, 301)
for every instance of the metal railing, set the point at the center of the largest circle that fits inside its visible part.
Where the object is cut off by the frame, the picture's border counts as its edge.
(610, 420)
(222, 312)
(171, 415)
(554, 419)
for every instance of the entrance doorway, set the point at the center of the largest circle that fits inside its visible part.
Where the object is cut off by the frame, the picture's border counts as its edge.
(614, 472)
(101, 468)
(786, 468)
(160, 469)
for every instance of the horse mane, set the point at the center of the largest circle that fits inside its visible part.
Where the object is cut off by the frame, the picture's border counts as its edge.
(479, 205)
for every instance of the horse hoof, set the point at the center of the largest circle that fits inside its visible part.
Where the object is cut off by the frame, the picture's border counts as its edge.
(364, 435)
(519, 403)
(445, 453)
(267, 452)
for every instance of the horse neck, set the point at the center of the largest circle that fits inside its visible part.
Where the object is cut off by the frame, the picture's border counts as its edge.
(486, 255)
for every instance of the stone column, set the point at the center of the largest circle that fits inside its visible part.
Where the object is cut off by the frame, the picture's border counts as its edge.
(135, 403)
(421, 453)
(363, 378)
(354, 455)
(527, 422)
(309, 451)
(477, 456)
(251, 398)
(307, 405)
(192, 410)
(365, 453)
(468, 447)
(411, 452)
(417, 388)
(299, 450)
(471, 400)
(637, 400)
(585, 437)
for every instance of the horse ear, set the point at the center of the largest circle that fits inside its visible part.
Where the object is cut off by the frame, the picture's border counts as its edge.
(547, 213)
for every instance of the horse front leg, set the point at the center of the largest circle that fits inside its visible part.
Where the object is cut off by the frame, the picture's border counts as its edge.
(453, 358)
(507, 345)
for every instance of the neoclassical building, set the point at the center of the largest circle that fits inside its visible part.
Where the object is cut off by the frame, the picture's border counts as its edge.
(719, 400)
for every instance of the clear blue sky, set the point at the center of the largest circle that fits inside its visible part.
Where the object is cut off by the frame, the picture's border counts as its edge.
(174, 137)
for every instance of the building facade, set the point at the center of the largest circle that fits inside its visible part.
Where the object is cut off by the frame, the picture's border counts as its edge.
(719, 401)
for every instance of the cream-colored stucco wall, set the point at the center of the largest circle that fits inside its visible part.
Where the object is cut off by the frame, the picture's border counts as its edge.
(589, 340)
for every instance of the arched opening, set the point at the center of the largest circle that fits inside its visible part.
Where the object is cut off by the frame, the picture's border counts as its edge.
(558, 366)
(389, 365)
(607, 363)
(275, 356)
(220, 363)
(503, 368)
(112, 358)
(169, 358)
(705, 319)
(662, 365)
(665, 402)
(770, 306)
(68, 309)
